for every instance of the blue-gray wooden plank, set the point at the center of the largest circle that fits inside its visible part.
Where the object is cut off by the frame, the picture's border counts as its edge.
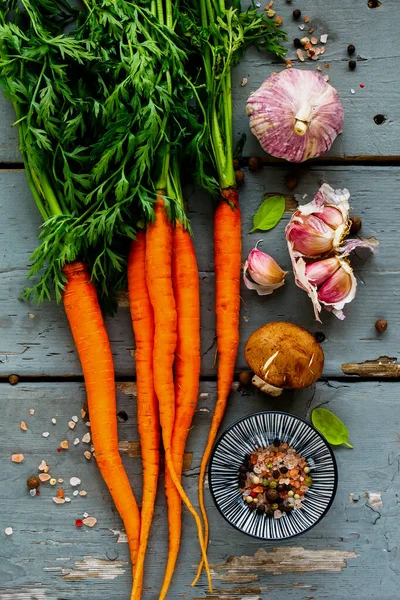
(37, 341)
(373, 32)
(354, 548)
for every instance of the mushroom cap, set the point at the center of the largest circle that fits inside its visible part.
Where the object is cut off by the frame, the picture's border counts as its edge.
(284, 355)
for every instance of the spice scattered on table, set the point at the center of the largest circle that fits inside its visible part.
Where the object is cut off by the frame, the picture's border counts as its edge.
(362, 85)
(90, 521)
(44, 477)
(352, 65)
(381, 325)
(45, 434)
(17, 458)
(54, 421)
(8, 531)
(355, 224)
(71, 424)
(33, 482)
(350, 49)
(296, 13)
(74, 481)
(79, 522)
(64, 444)
(275, 479)
(86, 438)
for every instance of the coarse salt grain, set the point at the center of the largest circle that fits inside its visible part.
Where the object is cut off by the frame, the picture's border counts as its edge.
(353, 91)
(64, 444)
(86, 438)
(244, 81)
(74, 481)
(76, 441)
(31, 411)
(85, 514)
(90, 521)
(60, 480)
(71, 424)
(87, 423)
(300, 54)
(75, 493)
(44, 477)
(57, 500)
(54, 420)
(323, 38)
(67, 499)
(23, 426)
(74, 419)
(83, 413)
(83, 493)
(42, 465)
(8, 531)
(45, 434)
(87, 455)
(301, 27)
(32, 492)
(17, 458)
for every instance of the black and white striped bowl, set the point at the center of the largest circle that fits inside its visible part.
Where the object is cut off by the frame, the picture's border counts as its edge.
(257, 430)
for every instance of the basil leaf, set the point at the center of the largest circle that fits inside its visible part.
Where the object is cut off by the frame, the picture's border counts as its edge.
(331, 427)
(269, 213)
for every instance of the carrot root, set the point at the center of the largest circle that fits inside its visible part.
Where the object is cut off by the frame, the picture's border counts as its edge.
(93, 346)
(227, 264)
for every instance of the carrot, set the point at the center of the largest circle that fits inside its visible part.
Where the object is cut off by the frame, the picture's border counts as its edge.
(187, 373)
(147, 407)
(93, 346)
(227, 264)
(159, 284)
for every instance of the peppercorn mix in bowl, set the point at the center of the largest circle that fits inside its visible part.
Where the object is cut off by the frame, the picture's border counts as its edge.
(272, 475)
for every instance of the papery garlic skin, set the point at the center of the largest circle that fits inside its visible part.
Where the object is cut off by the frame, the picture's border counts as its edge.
(295, 115)
(318, 251)
(319, 227)
(262, 273)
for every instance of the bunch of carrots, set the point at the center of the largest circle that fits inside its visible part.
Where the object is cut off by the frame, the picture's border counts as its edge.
(108, 104)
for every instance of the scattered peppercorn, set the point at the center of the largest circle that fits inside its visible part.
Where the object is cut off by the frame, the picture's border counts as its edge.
(274, 506)
(255, 163)
(275, 474)
(297, 43)
(374, 3)
(281, 487)
(273, 484)
(33, 482)
(379, 119)
(58, 449)
(236, 164)
(351, 49)
(296, 14)
(284, 470)
(320, 337)
(245, 378)
(291, 181)
(79, 522)
(352, 65)
(272, 494)
(239, 176)
(13, 379)
(355, 224)
(260, 510)
(381, 325)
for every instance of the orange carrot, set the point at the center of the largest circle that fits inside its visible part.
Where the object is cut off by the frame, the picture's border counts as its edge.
(93, 346)
(227, 264)
(187, 373)
(147, 406)
(159, 284)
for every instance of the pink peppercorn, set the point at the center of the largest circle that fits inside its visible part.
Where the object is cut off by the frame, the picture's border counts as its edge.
(79, 522)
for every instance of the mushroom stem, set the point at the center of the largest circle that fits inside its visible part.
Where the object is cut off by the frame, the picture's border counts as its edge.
(265, 387)
(300, 127)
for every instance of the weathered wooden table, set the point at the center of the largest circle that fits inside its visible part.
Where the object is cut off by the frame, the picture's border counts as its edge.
(353, 552)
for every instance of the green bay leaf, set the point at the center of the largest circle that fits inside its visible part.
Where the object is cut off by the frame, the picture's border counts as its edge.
(269, 214)
(331, 427)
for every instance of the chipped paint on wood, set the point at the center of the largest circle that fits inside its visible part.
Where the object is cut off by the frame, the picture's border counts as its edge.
(122, 538)
(24, 593)
(127, 387)
(375, 500)
(94, 568)
(132, 449)
(243, 569)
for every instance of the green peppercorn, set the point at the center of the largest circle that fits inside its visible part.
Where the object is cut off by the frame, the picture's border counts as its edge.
(274, 506)
(308, 481)
(272, 484)
(265, 483)
(269, 466)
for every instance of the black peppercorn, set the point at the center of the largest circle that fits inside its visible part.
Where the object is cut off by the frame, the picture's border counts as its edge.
(381, 325)
(355, 224)
(260, 510)
(351, 49)
(296, 14)
(243, 469)
(272, 494)
(276, 442)
(284, 470)
(297, 43)
(320, 337)
(352, 65)
(275, 474)
(281, 487)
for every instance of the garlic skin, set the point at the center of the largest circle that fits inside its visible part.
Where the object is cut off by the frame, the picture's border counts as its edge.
(295, 114)
(320, 226)
(318, 251)
(262, 273)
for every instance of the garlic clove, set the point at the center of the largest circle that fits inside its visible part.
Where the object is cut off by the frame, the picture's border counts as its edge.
(321, 270)
(262, 273)
(338, 287)
(295, 115)
(309, 235)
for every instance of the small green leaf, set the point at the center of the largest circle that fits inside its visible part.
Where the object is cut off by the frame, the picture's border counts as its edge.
(331, 427)
(269, 213)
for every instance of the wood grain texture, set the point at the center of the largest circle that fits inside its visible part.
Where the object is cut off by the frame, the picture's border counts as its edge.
(36, 341)
(353, 549)
(373, 33)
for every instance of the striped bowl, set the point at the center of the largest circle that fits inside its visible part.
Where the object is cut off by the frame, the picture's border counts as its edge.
(257, 430)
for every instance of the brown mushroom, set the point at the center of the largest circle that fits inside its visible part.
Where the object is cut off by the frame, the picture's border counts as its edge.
(283, 355)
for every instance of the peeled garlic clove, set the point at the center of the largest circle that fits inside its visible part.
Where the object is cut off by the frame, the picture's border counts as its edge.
(295, 115)
(262, 273)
